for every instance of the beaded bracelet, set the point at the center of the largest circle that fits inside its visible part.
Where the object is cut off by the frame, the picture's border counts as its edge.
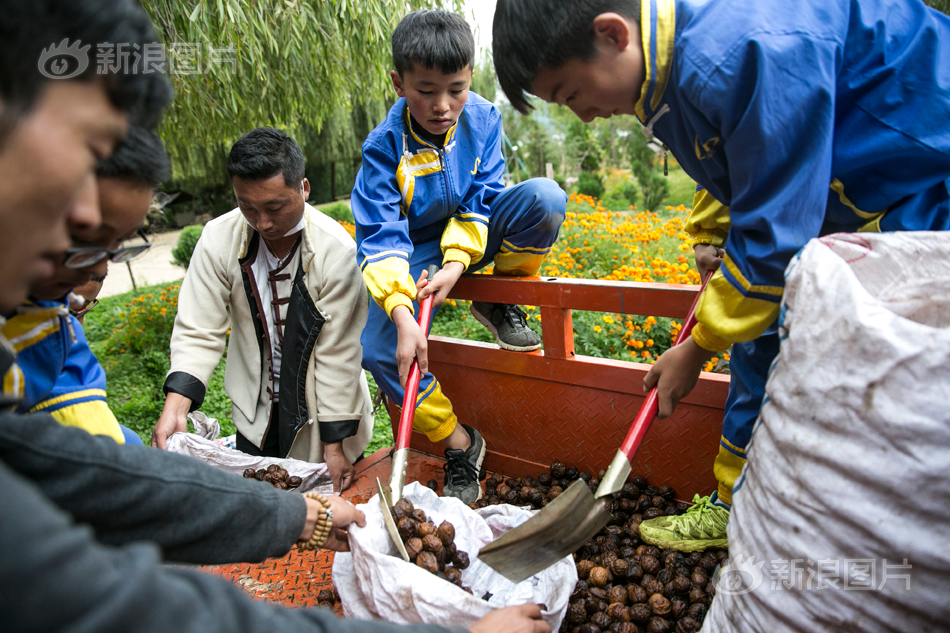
(323, 525)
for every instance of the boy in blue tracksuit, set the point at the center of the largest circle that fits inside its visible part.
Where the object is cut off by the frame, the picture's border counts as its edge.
(805, 118)
(56, 372)
(431, 191)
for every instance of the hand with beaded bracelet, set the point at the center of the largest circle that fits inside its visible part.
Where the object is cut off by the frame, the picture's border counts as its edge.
(327, 520)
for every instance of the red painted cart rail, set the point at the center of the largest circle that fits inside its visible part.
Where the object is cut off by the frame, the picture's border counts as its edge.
(537, 407)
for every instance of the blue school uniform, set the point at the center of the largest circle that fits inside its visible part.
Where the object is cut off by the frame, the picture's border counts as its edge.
(416, 204)
(805, 118)
(56, 372)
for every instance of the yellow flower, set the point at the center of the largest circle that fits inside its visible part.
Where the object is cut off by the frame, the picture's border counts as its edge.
(597, 329)
(608, 320)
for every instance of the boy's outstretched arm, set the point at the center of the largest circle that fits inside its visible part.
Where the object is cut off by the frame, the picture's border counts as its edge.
(675, 374)
(382, 232)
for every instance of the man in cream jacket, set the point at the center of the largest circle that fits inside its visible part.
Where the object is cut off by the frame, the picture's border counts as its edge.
(283, 277)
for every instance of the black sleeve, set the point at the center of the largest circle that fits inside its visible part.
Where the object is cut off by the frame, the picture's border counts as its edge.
(186, 385)
(54, 576)
(331, 432)
(193, 511)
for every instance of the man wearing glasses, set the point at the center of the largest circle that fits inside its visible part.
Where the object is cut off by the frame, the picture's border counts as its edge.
(60, 375)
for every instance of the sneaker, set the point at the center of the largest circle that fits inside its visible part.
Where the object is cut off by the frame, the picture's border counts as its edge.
(462, 469)
(702, 526)
(509, 324)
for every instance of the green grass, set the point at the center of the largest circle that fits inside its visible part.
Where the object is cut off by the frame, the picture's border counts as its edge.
(682, 187)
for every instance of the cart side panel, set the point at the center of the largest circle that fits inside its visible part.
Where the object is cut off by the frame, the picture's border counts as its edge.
(538, 407)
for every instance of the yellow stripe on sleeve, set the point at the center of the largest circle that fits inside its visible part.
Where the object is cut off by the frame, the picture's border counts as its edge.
(726, 316)
(471, 237)
(709, 221)
(74, 395)
(390, 283)
(92, 416)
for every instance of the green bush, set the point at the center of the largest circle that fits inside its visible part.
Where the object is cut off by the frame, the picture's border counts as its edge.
(621, 196)
(590, 184)
(339, 211)
(185, 247)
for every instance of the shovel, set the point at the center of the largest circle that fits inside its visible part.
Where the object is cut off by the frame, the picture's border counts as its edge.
(575, 516)
(390, 494)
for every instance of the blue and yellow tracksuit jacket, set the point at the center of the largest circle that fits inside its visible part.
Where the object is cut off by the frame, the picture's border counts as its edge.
(55, 370)
(708, 221)
(805, 118)
(397, 202)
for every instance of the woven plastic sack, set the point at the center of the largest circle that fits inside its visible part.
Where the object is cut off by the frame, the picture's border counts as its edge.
(204, 444)
(375, 583)
(841, 518)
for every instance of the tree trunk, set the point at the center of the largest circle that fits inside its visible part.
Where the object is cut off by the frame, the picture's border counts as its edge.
(613, 145)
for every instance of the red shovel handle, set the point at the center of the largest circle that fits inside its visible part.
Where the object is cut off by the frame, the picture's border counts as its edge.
(412, 382)
(650, 406)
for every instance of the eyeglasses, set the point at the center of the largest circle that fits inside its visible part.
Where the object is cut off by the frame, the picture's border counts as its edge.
(84, 256)
(90, 306)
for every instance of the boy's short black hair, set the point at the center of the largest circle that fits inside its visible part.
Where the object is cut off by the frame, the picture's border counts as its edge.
(528, 35)
(434, 38)
(265, 152)
(31, 31)
(140, 157)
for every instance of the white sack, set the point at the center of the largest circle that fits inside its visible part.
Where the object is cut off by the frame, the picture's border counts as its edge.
(375, 583)
(202, 445)
(848, 471)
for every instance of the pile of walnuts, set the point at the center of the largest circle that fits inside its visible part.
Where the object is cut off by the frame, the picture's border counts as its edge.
(431, 548)
(624, 585)
(275, 476)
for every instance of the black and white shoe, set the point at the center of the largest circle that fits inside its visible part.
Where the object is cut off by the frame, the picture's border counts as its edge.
(462, 469)
(509, 324)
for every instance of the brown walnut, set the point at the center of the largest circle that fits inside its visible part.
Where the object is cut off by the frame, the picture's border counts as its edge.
(460, 559)
(583, 569)
(659, 605)
(446, 533)
(618, 612)
(413, 547)
(431, 543)
(453, 575)
(407, 528)
(406, 506)
(617, 594)
(599, 576)
(424, 529)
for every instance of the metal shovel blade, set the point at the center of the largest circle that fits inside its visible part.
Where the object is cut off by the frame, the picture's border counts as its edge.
(385, 502)
(558, 529)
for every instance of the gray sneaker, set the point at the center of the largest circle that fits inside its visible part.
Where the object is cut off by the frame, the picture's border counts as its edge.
(509, 324)
(462, 469)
